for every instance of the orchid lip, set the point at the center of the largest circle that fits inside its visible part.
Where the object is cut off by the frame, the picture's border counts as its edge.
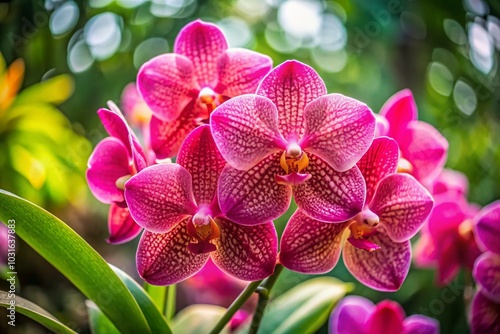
(363, 226)
(404, 166)
(120, 182)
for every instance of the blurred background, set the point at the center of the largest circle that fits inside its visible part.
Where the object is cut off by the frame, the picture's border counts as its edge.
(76, 55)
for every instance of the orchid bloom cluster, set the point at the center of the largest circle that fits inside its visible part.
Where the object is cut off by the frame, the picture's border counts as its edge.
(247, 139)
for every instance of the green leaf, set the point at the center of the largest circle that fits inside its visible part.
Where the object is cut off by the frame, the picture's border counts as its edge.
(54, 90)
(34, 312)
(98, 322)
(157, 293)
(75, 259)
(304, 308)
(155, 319)
(198, 319)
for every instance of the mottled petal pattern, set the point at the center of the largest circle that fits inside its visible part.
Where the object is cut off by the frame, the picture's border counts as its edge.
(291, 86)
(419, 324)
(380, 160)
(399, 110)
(160, 197)
(487, 227)
(240, 71)
(246, 252)
(202, 43)
(166, 84)
(384, 269)
(108, 162)
(485, 315)
(163, 258)
(402, 205)
(310, 246)
(121, 226)
(387, 318)
(338, 129)
(253, 197)
(487, 273)
(350, 316)
(329, 195)
(245, 130)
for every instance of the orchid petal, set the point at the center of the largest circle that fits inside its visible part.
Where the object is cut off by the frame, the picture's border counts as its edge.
(202, 43)
(450, 182)
(380, 160)
(108, 163)
(201, 158)
(350, 316)
(338, 129)
(445, 219)
(381, 126)
(402, 205)
(121, 226)
(329, 195)
(419, 324)
(485, 315)
(115, 125)
(164, 258)
(365, 244)
(487, 227)
(486, 273)
(310, 246)
(240, 71)
(245, 130)
(246, 252)
(384, 269)
(425, 251)
(253, 197)
(448, 258)
(160, 197)
(291, 86)
(387, 318)
(399, 110)
(166, 84)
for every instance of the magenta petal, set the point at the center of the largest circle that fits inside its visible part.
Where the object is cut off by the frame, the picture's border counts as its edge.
(485, 315)
(114, 123)
(381, 126)
(160, 196)
(386, 318)
(245, 130)
(108, 163)
(246, 252)
(166, 83)
(310, 246)
(399, 110)
(291, 86)
(121, 226)
(329, 195)
(164, 258)
(487, 227)
(350, 316)
(419, 324)
(380, 160)
(202, 43)
(365, 244)
(202, 160)
(450, 183)
(292, 179)
(486, 273)
(240, 71)
(338, 129)
(384, 269)
(445, 219)
(253, 197)
(448, 254)
(402, 205)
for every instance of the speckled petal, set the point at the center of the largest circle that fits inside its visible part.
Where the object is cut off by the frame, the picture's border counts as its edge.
(201, 158)
(386, 318)
(240, 71)
(167, 85)
(108, 162)
(350, 315)
(121, 226)
(485, 315)
(487, 227)
(380, 160)
(310, 246)
(246, 252)
(338, 129)
(202, 43)
(245, 130)
(419, 324)
(163, 258)
(291, 86)
(486, 274)
(402, 205)
(160, 197)
(253, 197)
(384, 269)
(399, 110)
(329, 195)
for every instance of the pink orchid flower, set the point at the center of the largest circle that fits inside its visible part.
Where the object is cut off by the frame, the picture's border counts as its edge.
(184, 87)
(378, 251)
(485, 309)
(114, 160)
(291, 136)
(423, 148)
(449, 184)
(178, 207)
(358, 315)
(135, 109)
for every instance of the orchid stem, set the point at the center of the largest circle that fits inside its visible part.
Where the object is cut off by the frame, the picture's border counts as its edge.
(169, 309)
(235, 306)
(264, 292)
